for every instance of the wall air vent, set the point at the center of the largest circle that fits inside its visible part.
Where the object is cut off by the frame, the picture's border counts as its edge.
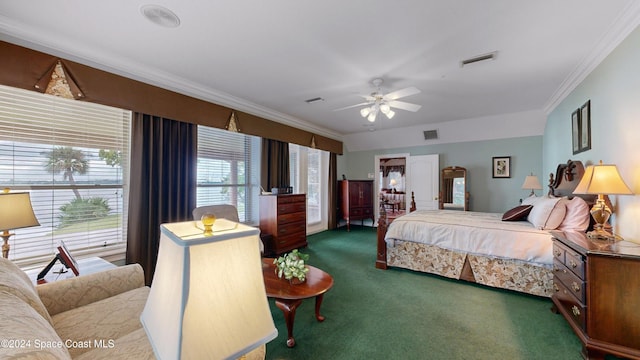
(479, 58)
(430, 134)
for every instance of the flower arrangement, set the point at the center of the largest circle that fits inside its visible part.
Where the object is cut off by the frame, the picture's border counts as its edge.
(292, 265)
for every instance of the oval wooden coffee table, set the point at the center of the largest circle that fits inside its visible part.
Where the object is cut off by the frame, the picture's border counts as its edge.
(288, 297)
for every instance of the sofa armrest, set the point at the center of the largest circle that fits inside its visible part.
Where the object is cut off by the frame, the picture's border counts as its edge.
(68, 294)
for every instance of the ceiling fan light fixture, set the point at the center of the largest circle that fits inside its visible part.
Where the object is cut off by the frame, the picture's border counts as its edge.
(390, 114)
(385, 108)
(365, 111)
(372, 116)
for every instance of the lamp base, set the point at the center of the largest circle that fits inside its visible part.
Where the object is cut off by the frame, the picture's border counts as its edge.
(600, 234)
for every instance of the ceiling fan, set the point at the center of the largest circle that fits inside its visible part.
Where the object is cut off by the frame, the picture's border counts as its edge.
(379, 102)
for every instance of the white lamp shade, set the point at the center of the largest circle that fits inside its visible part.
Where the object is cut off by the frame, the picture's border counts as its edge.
(602, 179)
(16, 211)
(364, 112)
(207, 299)
(531, 182)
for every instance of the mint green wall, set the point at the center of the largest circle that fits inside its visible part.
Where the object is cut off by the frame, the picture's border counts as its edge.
(487, 193)
(614, 90)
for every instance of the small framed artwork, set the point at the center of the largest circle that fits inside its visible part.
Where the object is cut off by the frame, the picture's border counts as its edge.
(575, 131)
(585, 126)
(502, 166)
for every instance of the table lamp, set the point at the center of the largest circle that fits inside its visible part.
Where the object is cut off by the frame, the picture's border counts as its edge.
(207, 299)
(393, 183)
(16, 212)
(601, 179)
(532, 182)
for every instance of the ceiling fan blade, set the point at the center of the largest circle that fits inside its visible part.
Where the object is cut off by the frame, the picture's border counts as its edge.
(404, 105)
(401, 93)
(352, 106)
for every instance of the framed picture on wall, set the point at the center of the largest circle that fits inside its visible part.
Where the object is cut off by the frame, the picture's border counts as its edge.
(585, 126)
(502, 166)
(575, 131)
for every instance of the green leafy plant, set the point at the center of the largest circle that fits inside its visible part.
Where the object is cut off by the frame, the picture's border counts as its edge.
(82, 210)
(292, 265)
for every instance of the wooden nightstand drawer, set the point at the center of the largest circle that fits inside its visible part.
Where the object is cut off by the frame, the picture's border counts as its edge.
(570, 280)
(576, 310)
(572, 260)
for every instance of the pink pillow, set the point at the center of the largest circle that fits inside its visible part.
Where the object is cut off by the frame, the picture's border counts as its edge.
(547, 213)
(577, 217)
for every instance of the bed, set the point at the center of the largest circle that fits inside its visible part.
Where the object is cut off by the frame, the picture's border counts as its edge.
(482, 247)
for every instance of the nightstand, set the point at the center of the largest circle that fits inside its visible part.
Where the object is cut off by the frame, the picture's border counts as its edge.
(597, 290)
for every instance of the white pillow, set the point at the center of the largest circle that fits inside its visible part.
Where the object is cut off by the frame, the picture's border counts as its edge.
(530, 200)
(577, 217)
(547, 213)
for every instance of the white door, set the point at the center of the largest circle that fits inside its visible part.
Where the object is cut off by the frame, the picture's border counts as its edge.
(424, 180)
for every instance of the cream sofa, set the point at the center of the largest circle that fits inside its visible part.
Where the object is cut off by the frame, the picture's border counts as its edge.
(95, 316)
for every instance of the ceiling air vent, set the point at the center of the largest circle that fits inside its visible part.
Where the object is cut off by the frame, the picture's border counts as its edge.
(479, 58)
(430, 134)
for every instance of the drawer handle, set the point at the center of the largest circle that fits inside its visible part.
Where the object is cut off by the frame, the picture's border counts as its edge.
(575, 287)
(555, 268)
(557, 253)
(555, 287)
(575, 311)
(573, 264)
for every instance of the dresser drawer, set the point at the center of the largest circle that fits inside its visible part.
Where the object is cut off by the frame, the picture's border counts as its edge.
(287, 218)
(570, 280)
(292, 228)
(291, 207)
(572, 260)
(291, 199)
(576, 310)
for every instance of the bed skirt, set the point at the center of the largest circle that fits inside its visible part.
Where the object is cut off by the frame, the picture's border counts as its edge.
(507, 274)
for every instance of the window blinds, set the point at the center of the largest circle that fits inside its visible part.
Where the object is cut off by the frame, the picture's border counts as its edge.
(229, 171)
(72, 157)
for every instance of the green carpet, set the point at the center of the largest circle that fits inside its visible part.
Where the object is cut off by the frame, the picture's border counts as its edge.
(400, 314)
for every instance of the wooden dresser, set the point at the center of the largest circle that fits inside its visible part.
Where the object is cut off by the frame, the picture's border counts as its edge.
(284, 217)
(356, 200)
(597, 290)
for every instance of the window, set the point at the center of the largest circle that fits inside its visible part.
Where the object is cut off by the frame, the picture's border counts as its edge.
(72, 157)
(229, 171)
(309, 171)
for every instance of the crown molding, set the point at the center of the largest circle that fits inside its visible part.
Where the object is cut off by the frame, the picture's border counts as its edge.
(624, 24)
(94, 57)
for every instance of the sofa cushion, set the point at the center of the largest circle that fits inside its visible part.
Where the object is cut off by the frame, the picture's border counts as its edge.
(134, 345)
(16, 281)
(25, 333)
(68, 294)
(107, 319)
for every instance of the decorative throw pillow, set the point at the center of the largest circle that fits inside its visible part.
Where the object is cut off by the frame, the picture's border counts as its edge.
(547, 213)
(577, 217)
(518, 213)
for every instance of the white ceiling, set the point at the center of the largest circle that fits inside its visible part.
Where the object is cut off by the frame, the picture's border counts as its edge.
(268, 57)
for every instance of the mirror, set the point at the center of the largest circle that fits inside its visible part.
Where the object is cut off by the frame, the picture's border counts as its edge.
(453, 190)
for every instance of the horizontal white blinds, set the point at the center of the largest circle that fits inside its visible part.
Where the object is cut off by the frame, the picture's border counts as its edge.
(72, 157)
(229, 171)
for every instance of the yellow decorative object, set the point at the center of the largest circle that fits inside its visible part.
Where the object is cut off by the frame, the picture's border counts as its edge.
(207, 221)
(232, 125)
(601, 179)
